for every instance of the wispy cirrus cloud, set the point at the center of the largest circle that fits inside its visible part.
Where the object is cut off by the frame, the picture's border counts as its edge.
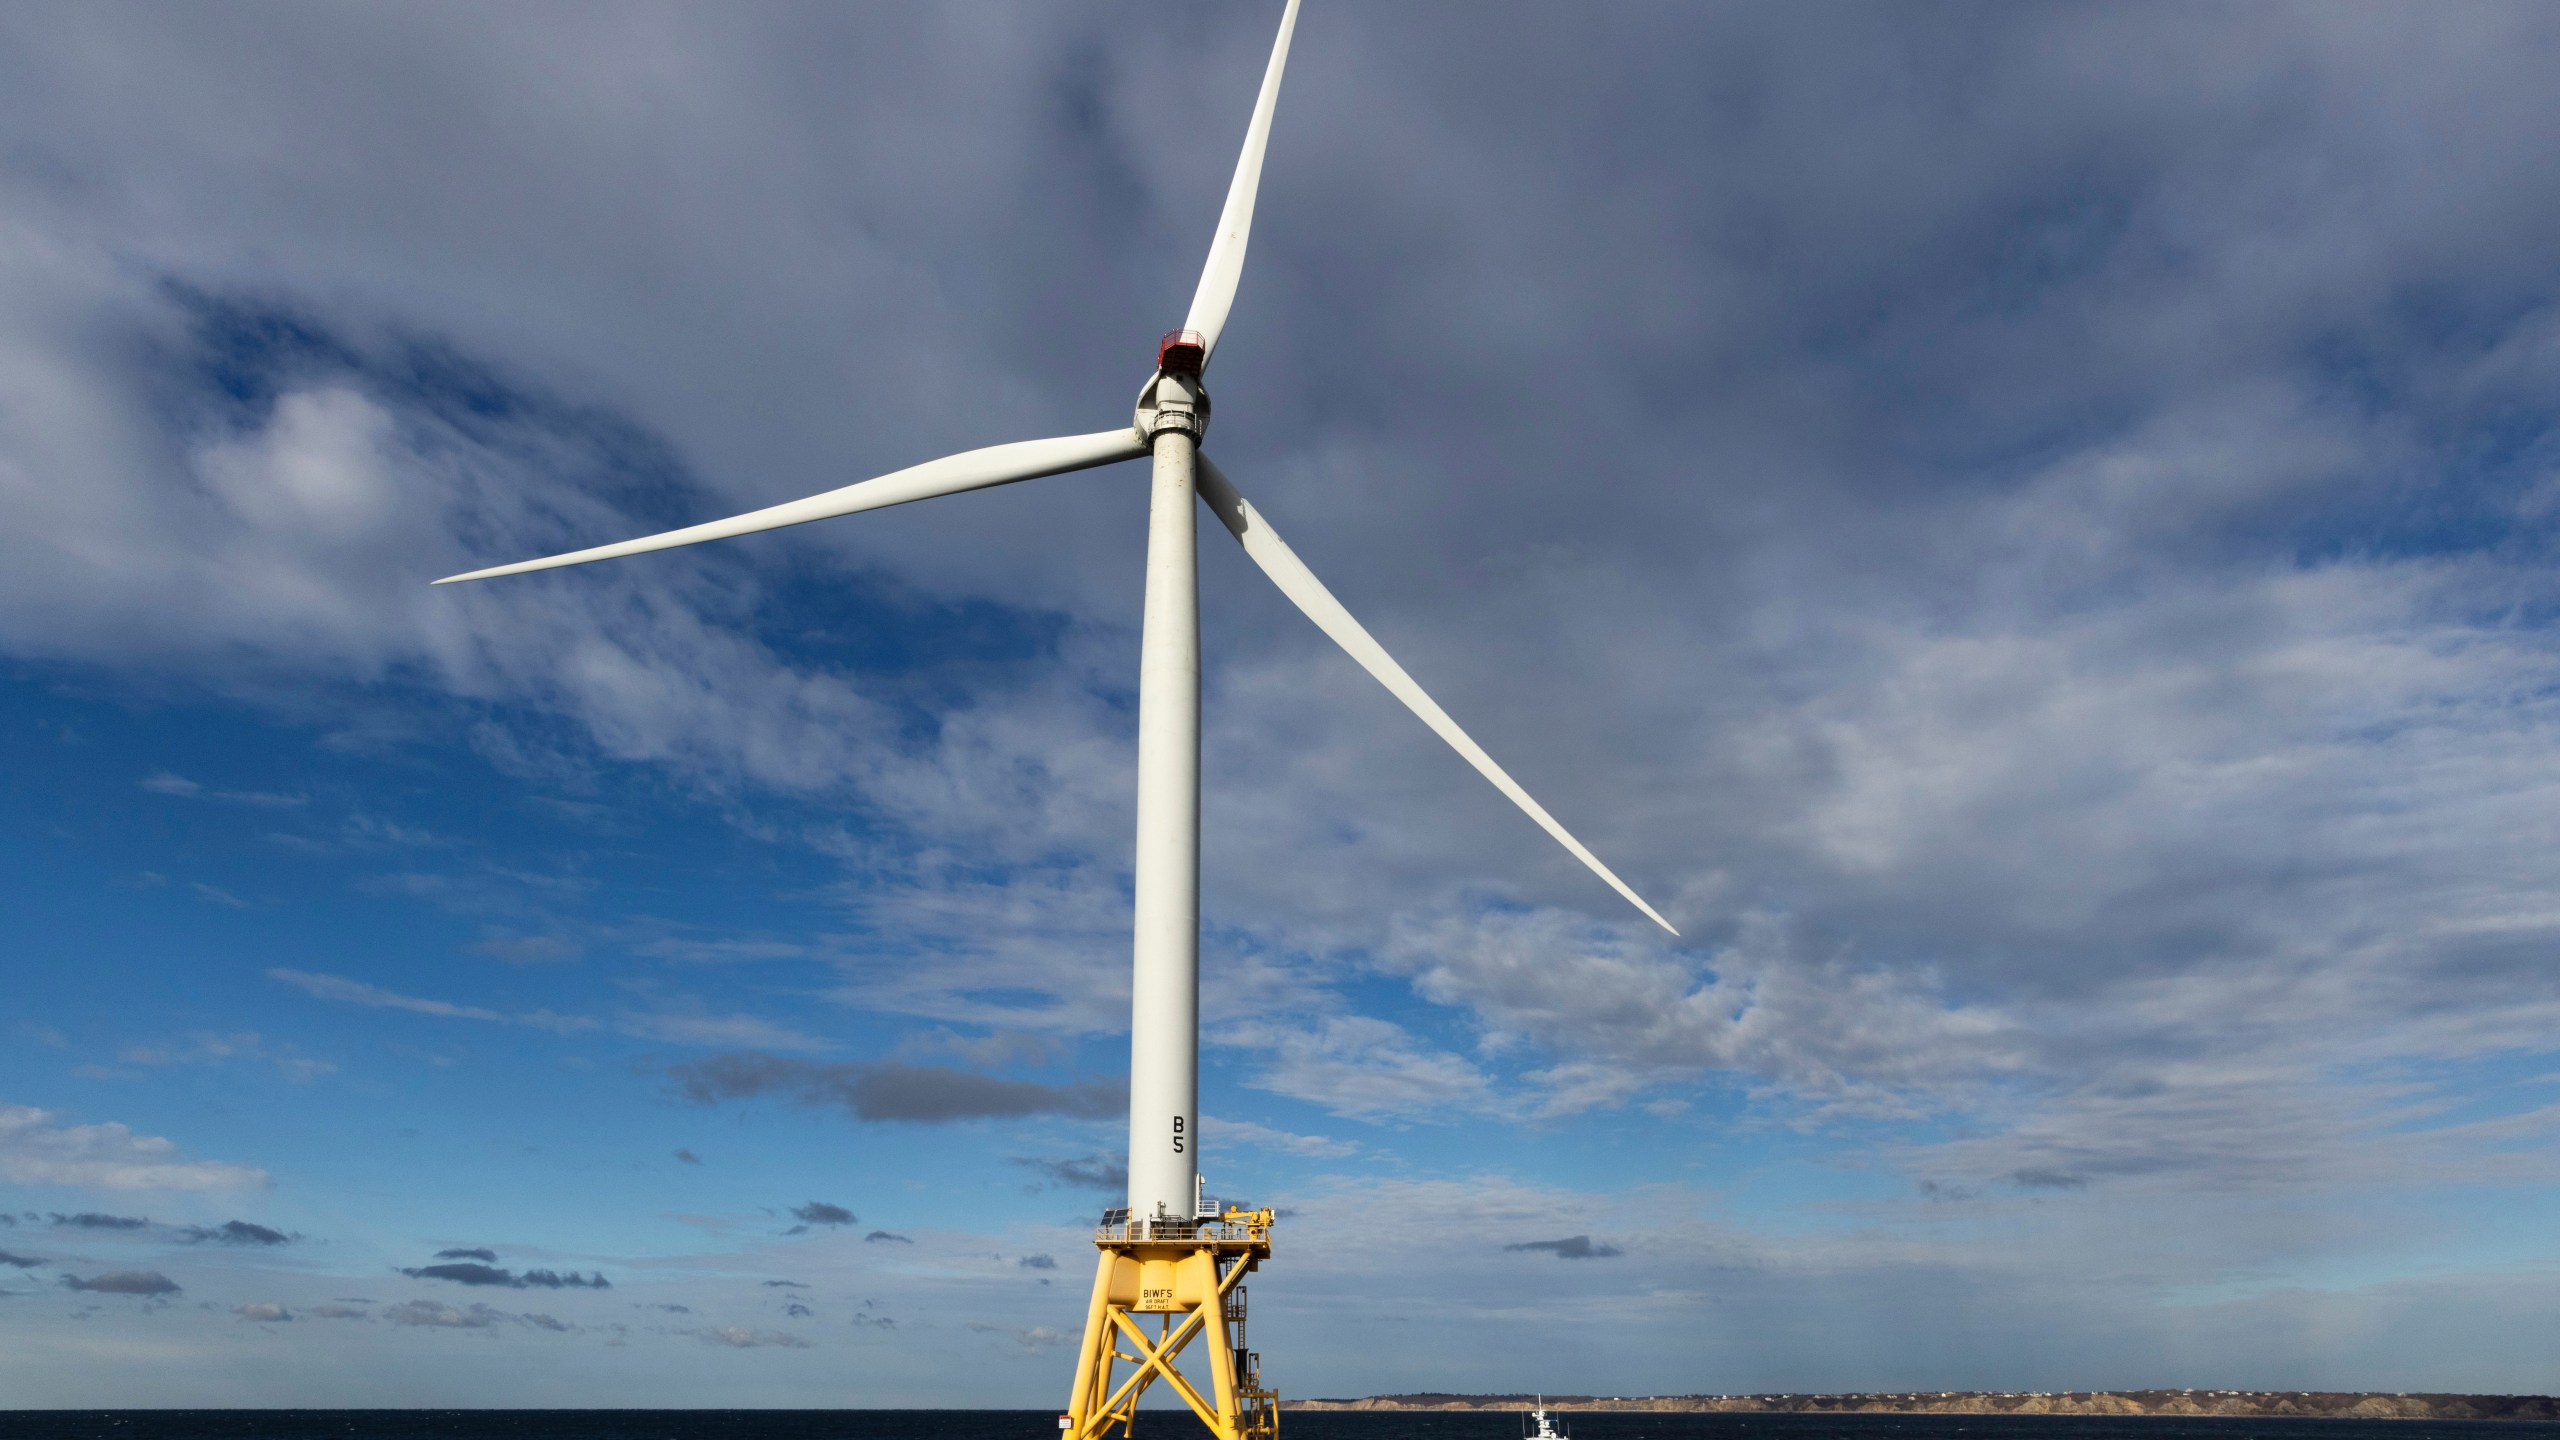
(205, 1047)
(1221, 1131)
(356, 992)
(682, 1027)
(165, 783)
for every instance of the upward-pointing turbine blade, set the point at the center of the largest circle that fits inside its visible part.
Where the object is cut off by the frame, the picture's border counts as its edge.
(1217, 292)
(969, 470)
(1304, 590)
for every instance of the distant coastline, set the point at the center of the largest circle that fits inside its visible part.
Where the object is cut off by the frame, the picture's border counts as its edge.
(2300, 1404)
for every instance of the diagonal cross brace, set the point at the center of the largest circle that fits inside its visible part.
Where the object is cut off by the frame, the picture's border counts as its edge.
(1159, 1361)
(1159, 1356)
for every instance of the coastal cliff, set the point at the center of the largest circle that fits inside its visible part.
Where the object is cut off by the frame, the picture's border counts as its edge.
(2306, 1404)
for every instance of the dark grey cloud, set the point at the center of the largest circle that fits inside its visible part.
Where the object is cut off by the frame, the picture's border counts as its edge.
(466, 1273)
(265, 1313)
(928, 1094)
(236, 1232)
(569, 1280)
(1038, 1262)
(229, 1232)
(688, 1157)
(1572, 1247)
(484, 1256)
(819, 1212)
(124, 1282)
(1108, 1173)
(2033, 1179)
(885, 1235)
(92, 1220)
(428, 1314)
(797, 1310)
(22, 1262)
(785, 1285)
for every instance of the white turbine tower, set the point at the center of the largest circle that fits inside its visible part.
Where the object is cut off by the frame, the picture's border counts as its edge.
(1165, 1255)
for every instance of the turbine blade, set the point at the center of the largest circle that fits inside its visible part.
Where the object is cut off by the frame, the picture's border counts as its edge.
(1217, 292)
(1304, 590)
(969, 470)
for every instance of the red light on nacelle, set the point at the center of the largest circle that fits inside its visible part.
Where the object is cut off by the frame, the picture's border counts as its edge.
(1182, 352)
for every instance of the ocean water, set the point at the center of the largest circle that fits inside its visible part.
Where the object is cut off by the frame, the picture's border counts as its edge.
(1178, 1425)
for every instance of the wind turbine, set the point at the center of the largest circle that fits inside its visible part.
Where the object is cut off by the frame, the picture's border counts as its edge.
(1167, 1254)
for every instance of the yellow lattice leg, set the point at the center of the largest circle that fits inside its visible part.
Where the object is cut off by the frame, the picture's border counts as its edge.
(1093, 1361)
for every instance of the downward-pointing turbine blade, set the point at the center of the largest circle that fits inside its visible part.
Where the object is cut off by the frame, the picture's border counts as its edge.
(1304, 590)
(969, 470)
(1217, 292)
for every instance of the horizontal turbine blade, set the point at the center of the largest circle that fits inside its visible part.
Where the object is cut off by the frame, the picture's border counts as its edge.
(1304, 590)
(969, 470)
(1217, 292)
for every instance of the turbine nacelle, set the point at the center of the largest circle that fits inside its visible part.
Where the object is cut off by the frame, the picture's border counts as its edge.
(1182, 352)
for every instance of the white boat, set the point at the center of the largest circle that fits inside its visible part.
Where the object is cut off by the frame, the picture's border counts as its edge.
(1546, 1428)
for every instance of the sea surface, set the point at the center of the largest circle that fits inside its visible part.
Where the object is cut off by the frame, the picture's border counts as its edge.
(1178, 1425)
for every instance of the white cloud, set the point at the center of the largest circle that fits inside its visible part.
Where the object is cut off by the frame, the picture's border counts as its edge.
(36, 1151)
(739, 1337)
(1364, 1067)
(1221, 1132)
(745, 1031)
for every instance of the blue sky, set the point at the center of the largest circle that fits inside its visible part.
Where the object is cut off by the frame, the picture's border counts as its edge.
(2027, 531)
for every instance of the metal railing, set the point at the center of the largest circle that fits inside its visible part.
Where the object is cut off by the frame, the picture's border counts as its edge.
(1240, 1227)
